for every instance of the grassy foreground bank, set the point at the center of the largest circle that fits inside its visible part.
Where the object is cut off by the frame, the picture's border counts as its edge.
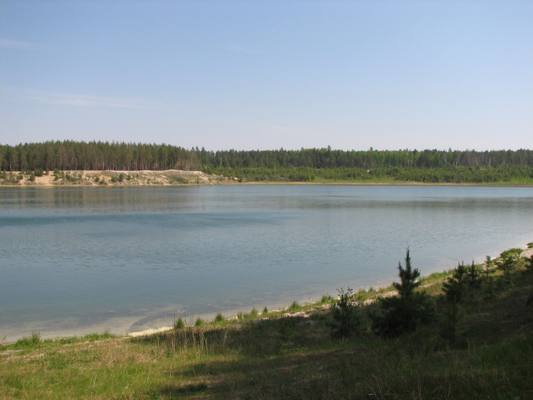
(292, 354)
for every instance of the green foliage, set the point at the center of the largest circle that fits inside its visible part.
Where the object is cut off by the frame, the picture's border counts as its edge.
(474, 276)
(265, 310)
(304, 165)
(219, 318)
(199, 322)
(179, 324)
(409, 278)
(295, 358)
(530, 245)
(509, 260)
(294, 307)
(529, 263)
(253, 313)
(488, 266)
(405, 312)
(454, 289)
(326, 299)
(28, 342)
(345, 315)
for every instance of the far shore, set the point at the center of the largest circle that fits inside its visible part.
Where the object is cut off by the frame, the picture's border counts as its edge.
(177, 178)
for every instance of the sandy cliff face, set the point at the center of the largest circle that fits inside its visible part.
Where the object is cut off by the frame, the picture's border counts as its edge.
(109, 178)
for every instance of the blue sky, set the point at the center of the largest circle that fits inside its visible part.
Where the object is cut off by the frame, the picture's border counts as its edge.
(251, 74)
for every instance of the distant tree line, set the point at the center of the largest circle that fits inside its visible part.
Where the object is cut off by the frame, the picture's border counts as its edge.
(70, 155)
(284, 165)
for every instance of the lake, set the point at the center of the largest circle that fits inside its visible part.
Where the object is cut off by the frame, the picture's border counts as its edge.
(78, 260)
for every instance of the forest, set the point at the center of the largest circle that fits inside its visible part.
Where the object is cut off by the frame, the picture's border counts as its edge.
(315, 164)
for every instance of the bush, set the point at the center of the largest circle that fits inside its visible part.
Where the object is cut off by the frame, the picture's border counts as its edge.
(345, 314)
(509, 260)
(219, 318)
(199, 322)
(529, 263)
(489, 264)
(179, 324)
(265, 310)
(294, 307)
(405, 312)
(454, 291)
(30, 341)
(474, 276)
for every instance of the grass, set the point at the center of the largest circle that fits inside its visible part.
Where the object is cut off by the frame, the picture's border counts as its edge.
(294, 357)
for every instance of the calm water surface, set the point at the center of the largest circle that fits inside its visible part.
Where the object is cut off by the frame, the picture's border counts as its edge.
(74, 260)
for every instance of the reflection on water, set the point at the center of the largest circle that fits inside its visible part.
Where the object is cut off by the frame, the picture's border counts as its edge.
(96, 258)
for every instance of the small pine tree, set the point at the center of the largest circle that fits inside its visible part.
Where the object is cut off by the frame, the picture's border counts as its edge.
(474, 276)
(508, 261)
(253, 313)
(295, 306)
(265, 310)
(405, 312)
(409, 278)
(455, 286)
(454, 290)
(179, 324)
(345, 314)
(489, 264)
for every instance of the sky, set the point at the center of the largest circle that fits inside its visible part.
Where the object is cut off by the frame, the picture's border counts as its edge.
(269, 74)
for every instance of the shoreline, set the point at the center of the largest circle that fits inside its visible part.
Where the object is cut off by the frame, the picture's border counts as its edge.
(181, 178)
(267, 183)
(280, 306)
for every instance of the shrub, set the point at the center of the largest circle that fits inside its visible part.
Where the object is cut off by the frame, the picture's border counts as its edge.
(489, 264)
(509, 260)
(253, 313)
(455, 286)
(219, 318)
(345, 314)
(326, 299)
(265, 310)
(405, 312)
(474, 276)
(179, 324)
(294, 307)
(30, 341)
(529, 263)
(454, 290)
(199, 322)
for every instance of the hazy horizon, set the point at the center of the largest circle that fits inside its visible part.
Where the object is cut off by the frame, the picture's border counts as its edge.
(237, 75)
